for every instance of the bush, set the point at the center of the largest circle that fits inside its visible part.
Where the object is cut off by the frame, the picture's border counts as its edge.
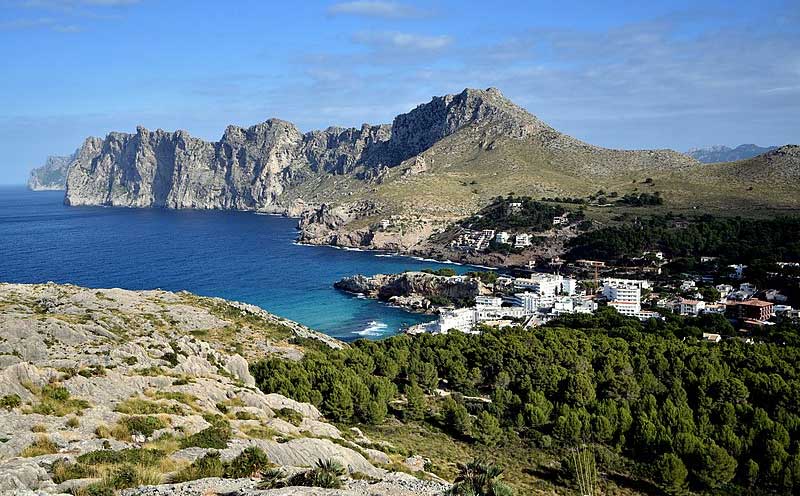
(73, 422)
(326, 474)
(132, 456)
(41, 446)
(210, 465)
(249, 463)
(144, 425)
(10, 401)
(55, 400)
(64, 471)
(292, 416)
(214, 437)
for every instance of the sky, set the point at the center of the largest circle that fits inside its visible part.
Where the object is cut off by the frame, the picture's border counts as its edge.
(621, 74)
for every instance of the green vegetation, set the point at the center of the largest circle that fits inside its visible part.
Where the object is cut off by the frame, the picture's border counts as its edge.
(292, 416)
(641, 199)
(56, 400)
(733, 239)
(144, 425)
(632, 392)
(139, 406)
(10, 401)
(515, 213)
(251, 462)
(215, 437)
(479, 478)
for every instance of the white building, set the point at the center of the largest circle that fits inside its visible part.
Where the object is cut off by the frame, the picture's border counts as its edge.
(501, 237)
(711, 337)
(628, 308)
(613, 281)
(488, 301)
(530, 302)
(622, 292)
(547, 284)
(688, 285)
(690, 307)
(572, 304)
(522, 240)
(461, 319)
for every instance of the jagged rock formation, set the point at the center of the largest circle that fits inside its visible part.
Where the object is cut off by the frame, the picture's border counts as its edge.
(52, 176)
(87, 373)
(721, 153)
(414, 290)
(254, 168)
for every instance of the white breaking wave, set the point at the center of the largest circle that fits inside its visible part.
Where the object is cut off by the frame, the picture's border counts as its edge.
(374, 328)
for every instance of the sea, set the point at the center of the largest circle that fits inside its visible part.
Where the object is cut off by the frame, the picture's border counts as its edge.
(239, 256)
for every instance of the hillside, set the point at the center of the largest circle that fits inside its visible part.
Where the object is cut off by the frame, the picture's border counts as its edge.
(107, 389)
(440, 162)
(52, 176)
(721, 153)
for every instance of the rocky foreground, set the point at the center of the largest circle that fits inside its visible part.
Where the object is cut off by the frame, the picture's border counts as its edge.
(415, 291)
(108, 390)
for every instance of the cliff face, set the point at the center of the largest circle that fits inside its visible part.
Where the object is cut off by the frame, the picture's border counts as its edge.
(412, 288)
(255, 168)
(52, 176)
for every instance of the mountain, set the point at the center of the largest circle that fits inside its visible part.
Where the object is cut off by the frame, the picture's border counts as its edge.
(255, 168)
(721, 153)
(393, 186)
(52, 175)
(108, 389)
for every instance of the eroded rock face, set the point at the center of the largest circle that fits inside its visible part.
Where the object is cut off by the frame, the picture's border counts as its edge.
(412, 289)
(113, 355)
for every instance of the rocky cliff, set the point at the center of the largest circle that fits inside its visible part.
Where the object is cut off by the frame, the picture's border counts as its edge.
(52, 176)
(418, 291)
(106, 389)
(258, 168)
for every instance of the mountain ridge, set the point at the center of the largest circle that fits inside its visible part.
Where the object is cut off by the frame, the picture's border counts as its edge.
(52, 175)
(722, 153)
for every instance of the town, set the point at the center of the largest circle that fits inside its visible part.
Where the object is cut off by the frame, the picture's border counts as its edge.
(539, 297)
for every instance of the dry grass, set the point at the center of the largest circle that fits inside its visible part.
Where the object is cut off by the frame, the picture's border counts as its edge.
(41, 446)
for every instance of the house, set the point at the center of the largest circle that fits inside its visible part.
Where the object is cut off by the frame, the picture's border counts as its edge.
(752, 309)
(708, 259)
(689, 307)
(385, 223)
(775, 295)
(488, 301)
(502, 238)
(560, 220)
(522, 240)
(724, 290)
(460, 319)
(737, 271)
(711, 337)
(688, 285)
(515, 207)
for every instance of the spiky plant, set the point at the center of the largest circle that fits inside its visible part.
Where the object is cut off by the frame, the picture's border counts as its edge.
(479, 478)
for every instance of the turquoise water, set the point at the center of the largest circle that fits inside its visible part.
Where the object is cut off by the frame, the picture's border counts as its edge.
(235, 255)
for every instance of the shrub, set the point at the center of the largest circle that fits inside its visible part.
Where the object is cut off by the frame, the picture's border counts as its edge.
(144, 425)
(10, 401)
(326, 474)
(64, 471)
(138, 406)
(215, 437)
(292, 416)
(41, 446)
(38, 428)
(73, 422)
(209, 465)
(132, 456)
(250, 462)
(56, 400)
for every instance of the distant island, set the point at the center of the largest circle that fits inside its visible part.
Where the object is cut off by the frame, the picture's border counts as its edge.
(52, 176)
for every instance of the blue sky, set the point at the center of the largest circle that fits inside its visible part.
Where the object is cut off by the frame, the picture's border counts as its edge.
(626, 74)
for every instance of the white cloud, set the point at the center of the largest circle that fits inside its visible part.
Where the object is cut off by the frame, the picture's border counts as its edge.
(373, 8)
(403, 41)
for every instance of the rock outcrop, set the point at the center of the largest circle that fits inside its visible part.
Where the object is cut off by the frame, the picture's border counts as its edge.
(418, 291)
(52, 176)
(88, 374)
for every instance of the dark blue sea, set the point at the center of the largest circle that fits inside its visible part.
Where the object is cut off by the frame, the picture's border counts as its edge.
(234, 255)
